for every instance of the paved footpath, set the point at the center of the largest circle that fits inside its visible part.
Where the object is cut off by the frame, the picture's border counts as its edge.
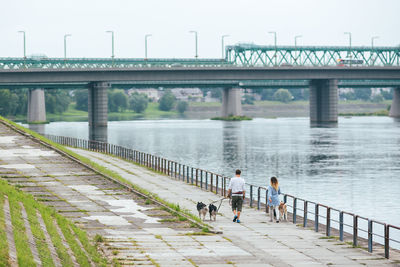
(138, 232)
(255, 241)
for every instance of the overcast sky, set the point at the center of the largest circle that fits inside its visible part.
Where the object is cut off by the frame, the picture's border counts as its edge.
(320, 22)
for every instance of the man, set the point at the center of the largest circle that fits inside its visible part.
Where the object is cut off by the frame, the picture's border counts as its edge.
(237, 193)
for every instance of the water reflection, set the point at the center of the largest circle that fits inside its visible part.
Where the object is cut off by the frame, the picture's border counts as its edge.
(323, 124)
(231, 142)
(323, 156)
(98, 133)
(39, 128)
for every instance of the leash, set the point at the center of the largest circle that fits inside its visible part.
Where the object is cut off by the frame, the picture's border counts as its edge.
(220, 202)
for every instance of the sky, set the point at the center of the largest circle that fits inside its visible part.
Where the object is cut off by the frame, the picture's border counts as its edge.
(319, 22)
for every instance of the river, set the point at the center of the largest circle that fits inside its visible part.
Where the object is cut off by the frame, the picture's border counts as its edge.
(354, 166)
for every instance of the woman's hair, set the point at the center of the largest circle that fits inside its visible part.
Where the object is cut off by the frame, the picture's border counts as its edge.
(274, 183)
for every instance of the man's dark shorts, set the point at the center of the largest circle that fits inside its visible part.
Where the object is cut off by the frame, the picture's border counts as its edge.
(237, 202)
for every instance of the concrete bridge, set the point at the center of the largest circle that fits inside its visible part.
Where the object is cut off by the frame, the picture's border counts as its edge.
(245, 66)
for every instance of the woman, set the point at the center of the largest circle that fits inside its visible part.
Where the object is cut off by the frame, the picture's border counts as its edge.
(273, 198)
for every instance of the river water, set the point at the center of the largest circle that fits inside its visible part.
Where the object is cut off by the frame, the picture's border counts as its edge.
(353, 167)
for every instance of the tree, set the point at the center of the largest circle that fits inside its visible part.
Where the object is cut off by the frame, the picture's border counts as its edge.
(248, 99)
(267, 94)
(117, 101)
(362, 93)
(57, 100)
(377, 98)
(387, 95)
(5, 100)
(167, 101)
(182, 106)
(283, 95)
(81, 99)
(138, 102)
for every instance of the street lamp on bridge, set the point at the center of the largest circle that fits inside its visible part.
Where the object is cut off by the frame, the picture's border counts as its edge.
(145, 45)
(195, 36)
(295, 45)
(23, 32)
(276, 49)
(349, 33)
(372, 41)
(112, 45)
(222, 40)
(65, 45)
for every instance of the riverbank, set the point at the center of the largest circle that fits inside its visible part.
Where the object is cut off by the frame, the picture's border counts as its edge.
(207, 110)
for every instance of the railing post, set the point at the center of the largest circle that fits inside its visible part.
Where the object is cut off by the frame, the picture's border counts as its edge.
(305, 214)
(258, 197)
(341, 226)
(197, 176)
(386, 241)
(225, 187)
(206, 180)
(370, 236)
(176, 164)
(294, 210)
(328, 221)
(216, 184)
(355, 230)
(251, 196)
(266, 201)
(179, 171)
(187, 174)
(192, 175)
(212, 181)
(201, 179)
(316, 223)
(169, 164)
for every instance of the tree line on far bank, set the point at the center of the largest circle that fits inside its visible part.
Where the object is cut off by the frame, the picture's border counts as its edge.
(14, 102)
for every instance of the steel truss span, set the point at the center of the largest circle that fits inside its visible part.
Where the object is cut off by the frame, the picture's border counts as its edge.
(240, 55)
(257, 55)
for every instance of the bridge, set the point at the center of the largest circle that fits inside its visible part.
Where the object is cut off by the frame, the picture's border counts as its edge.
(245, 66)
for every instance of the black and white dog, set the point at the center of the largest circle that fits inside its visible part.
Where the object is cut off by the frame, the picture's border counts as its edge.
(212, 209)
(202, 209)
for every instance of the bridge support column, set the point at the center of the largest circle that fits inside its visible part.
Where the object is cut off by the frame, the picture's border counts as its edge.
(395, 107)
(231, 102)
(97, 109)
(36, 106)
(323, 101)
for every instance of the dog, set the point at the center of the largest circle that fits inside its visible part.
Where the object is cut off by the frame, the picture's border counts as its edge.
(212, 209)
(202, 209)
(283, 211)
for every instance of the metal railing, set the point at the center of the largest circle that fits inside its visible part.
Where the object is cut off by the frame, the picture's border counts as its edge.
(345, 224)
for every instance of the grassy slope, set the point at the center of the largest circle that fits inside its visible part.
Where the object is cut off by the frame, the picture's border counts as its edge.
(49, 216)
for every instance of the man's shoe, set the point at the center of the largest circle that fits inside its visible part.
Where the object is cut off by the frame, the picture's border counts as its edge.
(277, 221)
(238, 221)
(235, 218)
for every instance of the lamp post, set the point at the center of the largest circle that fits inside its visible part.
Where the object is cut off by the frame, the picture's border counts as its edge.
(112, 45)
(195, 36)
(145, 45)
(23, 32)
(372, 47)
(349, 33)
(276, 50)
(372, 41)
(295, 45)
(65, 45)
(222, 41)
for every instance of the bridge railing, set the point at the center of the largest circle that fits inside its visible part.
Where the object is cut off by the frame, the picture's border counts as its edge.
(335, 223)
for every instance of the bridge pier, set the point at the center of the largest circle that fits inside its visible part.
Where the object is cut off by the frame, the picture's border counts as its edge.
(231, 102)
(97, 109)
(395, 107)
(323, 101)
(36, 106)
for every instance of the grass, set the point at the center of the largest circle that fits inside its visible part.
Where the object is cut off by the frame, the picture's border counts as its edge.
(4, 258)
(382, 112)
(49, 215)
(232, 118)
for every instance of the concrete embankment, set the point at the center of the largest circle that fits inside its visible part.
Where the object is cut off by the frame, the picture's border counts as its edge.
(139, 232)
